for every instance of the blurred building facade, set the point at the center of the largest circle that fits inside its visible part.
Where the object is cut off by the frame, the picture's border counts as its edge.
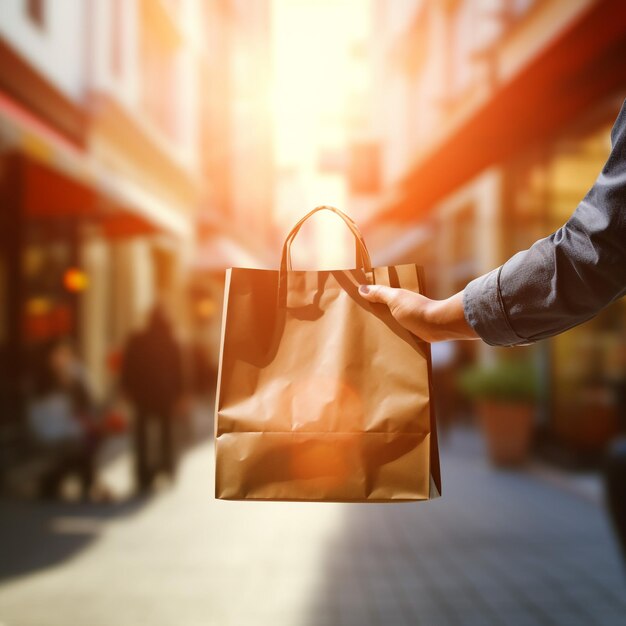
(493, 119)
(237, 143)
(235, 224)
(117, 146)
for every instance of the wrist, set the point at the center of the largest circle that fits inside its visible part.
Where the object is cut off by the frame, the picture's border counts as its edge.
(448, 317)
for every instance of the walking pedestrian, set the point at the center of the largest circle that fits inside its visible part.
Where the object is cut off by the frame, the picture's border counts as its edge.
(152, 380)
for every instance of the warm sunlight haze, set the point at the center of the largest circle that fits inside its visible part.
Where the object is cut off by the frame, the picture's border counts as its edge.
(319, 71)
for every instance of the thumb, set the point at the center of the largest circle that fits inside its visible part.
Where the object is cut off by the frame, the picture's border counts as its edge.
(377, 293)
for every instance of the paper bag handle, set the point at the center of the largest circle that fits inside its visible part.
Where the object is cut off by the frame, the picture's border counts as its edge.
(362, 255)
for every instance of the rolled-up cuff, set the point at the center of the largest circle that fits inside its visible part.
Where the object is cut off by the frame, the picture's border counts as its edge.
(485, 312)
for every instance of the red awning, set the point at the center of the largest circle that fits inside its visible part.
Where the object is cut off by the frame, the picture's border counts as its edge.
(60, 180)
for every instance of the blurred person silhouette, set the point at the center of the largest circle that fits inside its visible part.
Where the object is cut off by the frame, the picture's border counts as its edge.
(561, 281)
(63, 419)
(152, 380)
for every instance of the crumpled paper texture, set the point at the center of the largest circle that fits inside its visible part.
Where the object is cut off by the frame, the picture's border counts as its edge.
(321, 395)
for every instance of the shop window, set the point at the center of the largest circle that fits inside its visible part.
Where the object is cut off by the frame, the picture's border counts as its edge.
(463, 249)
(524, 216)
(160, 83)
(589, 370)
(35, 9)
(584, 373)
(587, 363)
(48, 309)
(573, 168)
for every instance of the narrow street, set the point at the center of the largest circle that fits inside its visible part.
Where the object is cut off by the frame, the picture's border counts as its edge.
(498, 548)
(159, 163)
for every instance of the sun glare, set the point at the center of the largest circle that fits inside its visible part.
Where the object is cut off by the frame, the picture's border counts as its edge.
(315, 79)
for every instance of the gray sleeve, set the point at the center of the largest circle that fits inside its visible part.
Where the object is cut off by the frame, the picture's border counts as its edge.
(566, 278)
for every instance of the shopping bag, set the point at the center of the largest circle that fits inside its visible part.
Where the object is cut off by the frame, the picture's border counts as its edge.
(322, 395)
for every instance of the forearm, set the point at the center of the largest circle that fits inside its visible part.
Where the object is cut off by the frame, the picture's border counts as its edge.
(566, 278)
(447, 318)
(543, 291)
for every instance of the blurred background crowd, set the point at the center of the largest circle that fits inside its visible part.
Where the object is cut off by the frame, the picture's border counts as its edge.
(147, 145)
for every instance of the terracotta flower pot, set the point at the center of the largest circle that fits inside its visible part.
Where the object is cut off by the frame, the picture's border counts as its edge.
(508, 428)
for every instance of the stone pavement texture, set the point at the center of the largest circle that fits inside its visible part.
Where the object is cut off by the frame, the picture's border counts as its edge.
(498, 548)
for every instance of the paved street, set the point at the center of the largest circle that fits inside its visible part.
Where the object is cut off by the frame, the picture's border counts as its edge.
(498, 548)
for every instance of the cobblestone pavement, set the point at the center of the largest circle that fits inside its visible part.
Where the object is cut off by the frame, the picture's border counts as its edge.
(498, 548)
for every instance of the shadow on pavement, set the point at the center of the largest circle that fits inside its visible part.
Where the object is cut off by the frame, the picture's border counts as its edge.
(38, 534)
(35, 535)
(500, 547)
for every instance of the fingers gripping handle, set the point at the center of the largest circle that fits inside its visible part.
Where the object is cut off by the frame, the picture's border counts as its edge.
(362, 255)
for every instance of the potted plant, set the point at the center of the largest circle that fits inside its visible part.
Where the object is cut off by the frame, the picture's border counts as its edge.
(505, 395)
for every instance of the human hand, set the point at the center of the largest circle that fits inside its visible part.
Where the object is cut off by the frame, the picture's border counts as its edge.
(430, 320)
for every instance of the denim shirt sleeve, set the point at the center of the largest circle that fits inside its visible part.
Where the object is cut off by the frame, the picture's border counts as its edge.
(566, 278)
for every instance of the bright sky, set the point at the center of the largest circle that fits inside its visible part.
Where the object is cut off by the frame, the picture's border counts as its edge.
(314, 75)
(313, 40)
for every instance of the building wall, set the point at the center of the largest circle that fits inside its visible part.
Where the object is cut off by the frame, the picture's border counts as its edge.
(151, 74)
(132, 67)
(142, 83)
(114, 62)
(49, 47)
(250, 158)
(215, 86)
(435, 64)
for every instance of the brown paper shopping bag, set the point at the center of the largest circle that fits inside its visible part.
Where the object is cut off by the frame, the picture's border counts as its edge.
(322, 395)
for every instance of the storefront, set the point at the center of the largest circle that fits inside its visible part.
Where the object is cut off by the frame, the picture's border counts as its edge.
(215, 253)
(43, 283)
(82, 255)
(586, 365)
